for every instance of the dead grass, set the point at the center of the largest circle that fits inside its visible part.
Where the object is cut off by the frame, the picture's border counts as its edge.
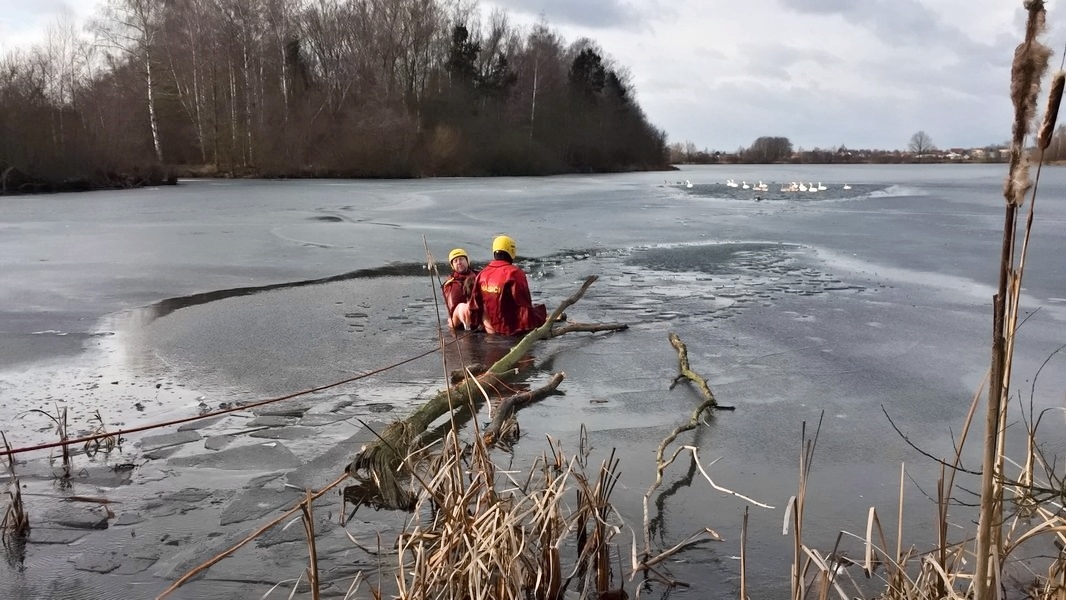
(1018, 545)
(60, 420)
(101, 440)
(490, 536)
(16, 523)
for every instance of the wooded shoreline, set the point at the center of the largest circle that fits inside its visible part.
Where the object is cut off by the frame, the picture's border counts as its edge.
(363, 90)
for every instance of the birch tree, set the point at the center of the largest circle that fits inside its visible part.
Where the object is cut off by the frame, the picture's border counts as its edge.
(130, 27)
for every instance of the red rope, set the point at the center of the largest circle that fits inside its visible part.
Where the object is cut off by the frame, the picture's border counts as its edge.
(120, 432)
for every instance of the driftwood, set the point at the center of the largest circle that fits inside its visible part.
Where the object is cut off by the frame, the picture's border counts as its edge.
(710, 403)
(684, 371)
(509, 406)
(379, 466)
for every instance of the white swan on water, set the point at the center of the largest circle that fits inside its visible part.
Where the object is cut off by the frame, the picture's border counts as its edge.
(688, 183)
(847, 187)
(821, 188)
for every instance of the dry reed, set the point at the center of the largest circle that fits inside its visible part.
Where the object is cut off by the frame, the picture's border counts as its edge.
(101, 440)
(60, 420)
(492, 537)
(1023, 551)
(16, 523)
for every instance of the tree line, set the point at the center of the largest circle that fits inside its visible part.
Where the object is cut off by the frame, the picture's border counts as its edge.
(352, 88)
(920, 148)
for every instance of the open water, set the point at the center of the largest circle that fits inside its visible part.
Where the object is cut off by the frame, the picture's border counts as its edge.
(866, 309)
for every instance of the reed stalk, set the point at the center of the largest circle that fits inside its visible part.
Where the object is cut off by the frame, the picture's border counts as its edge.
(307, 515)
(16, 522)
(1030, 64)
(60, 420)
(99, 438)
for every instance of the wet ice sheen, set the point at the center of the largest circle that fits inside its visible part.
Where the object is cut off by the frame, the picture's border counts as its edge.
(274, 287)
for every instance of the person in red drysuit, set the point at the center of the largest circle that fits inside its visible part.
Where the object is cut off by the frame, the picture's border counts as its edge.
(456, 291)
(501, 298)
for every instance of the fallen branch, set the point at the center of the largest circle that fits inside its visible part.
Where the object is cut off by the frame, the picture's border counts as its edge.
(509, 406)
(696, 458)
(685, 372)
(379, 466)
(587, 327)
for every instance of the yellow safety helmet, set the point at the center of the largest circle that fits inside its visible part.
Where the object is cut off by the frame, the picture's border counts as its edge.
(505, 243)
(456, 253)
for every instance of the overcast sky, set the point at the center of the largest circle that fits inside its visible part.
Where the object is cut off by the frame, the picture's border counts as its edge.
(823, 73)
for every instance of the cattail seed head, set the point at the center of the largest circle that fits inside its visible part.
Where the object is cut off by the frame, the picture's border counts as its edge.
(1047, 130)
(1030, 63)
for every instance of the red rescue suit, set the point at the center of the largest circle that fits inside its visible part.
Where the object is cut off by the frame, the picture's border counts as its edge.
(502, 302)
(458, 288)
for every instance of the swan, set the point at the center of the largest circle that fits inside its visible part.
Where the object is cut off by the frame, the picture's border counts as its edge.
(847, 187)
(821, 188)
(744, 185)
(730, 183)
(688, 183)
(811, 188)
(762, 187)
(802, 187)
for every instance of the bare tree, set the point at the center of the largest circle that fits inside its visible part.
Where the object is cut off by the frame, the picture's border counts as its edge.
(363, 87)
(541, 69)
(186, 46)
(921, 144)
(130, 26)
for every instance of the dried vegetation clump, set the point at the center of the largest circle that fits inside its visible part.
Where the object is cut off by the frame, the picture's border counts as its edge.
(486, 534)
(16, 524)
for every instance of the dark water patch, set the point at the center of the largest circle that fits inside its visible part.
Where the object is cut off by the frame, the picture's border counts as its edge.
(716, 281)
(539, 265)
(716, 259)
(16, 347)
(543, 267)
(165, 307)
(785, 192)
(367, 221)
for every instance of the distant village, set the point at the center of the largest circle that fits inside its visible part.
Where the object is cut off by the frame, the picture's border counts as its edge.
(680, 154)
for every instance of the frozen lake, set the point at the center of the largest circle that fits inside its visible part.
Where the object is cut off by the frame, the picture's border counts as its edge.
(848, 303)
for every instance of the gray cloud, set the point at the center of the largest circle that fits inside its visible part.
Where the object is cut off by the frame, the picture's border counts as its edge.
(594, 14)
(819, 7)
(895, 22)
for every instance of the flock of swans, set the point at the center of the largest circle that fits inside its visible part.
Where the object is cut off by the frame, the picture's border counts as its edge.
(763, 187)
(789, 187)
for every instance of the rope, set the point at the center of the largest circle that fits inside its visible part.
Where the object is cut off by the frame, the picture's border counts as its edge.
(120, 432)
